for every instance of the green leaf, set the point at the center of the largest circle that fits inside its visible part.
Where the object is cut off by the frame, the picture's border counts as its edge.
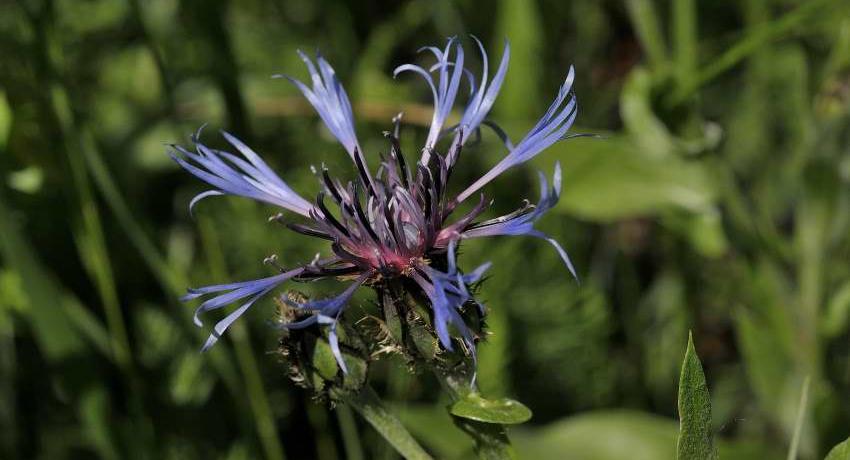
(840, 451)
(766, 329)
(834, 321)
(696, 440)
(617, 435)
(49, 310)
(190, 382)
(703, 230)
(520, 96)
(614, 178)
(505, 411)
(27, 180)
(94, 414)
(627, 434)
(6, 117)
(649, 133)
(369, 81)
(433, 426)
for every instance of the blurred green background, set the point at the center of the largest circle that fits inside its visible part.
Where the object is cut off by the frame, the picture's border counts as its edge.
(716, 201)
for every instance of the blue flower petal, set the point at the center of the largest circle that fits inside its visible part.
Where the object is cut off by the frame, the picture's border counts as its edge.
(232, 292)
(522, 223)
(551, 128)
(232, 175)
(330, 100)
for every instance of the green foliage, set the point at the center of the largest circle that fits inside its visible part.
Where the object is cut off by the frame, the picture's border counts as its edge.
(696, 438)
(802, 410)
(840, 451)
(715, 198)
(368, 404)
(611, 179)
(520, 97)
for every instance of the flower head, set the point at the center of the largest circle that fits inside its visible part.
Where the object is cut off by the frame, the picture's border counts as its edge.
(397, 224)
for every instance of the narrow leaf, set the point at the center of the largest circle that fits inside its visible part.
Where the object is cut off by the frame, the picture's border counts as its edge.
(696, 440)
(798, 423)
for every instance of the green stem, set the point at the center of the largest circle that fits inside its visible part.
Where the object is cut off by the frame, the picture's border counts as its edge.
(348, 428)
(369, 406)
(490, 439)
(644, 18)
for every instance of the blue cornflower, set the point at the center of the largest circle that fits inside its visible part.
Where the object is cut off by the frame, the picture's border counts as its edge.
(396, 223)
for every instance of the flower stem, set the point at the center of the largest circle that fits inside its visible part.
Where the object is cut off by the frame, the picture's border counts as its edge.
(456, 375)
(368, 405)
(490, 439)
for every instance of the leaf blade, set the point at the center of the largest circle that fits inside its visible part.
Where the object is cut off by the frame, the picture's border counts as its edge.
(503, 411)
(840, 452)
(696, 440)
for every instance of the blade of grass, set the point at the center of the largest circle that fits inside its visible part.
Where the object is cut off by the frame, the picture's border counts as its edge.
(798, 423)
(749, 44)
(43, 293)
(49, 324)
(91, 243)
(159, 60)
(90, 239)
(92, 249)
(8, 406)
(172, 281)
(224, 68)
(263, 417)
(370, 407)
(94, 415)
(685, 50)
(370, 83)
(644, 19)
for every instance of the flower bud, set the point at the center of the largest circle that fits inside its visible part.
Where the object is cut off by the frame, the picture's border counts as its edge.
(308, 353)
